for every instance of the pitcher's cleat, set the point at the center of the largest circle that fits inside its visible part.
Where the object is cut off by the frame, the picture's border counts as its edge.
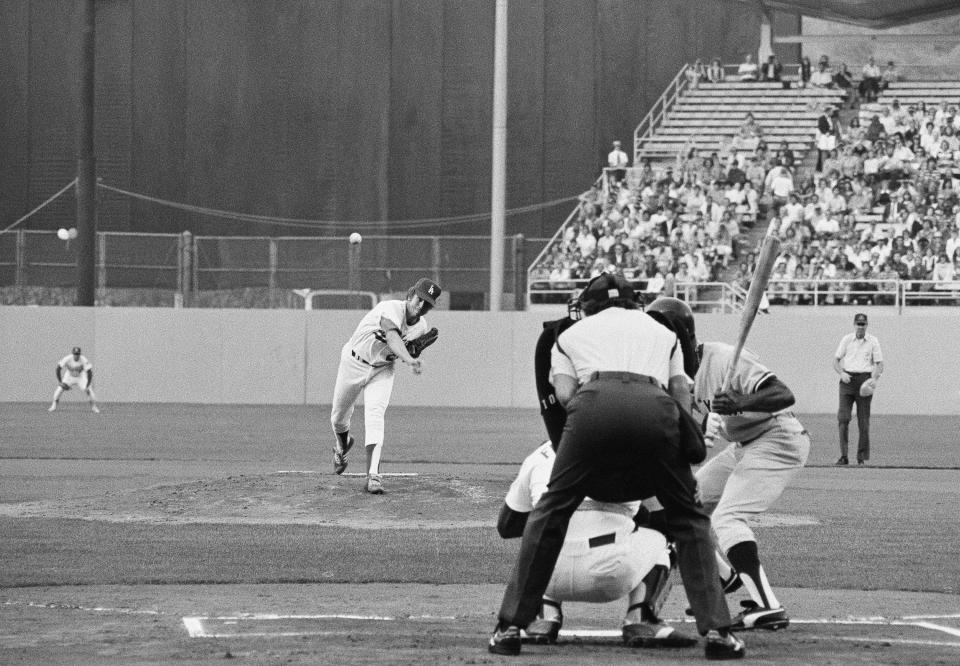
(374, 484)
(340, 455)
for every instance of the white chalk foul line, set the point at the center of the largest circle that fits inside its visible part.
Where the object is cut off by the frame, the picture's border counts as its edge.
(195, 624)
(314, 471)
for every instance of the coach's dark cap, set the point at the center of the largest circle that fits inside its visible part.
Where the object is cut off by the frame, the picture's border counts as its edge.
(428, 290)
(860, 318)
(76, 350)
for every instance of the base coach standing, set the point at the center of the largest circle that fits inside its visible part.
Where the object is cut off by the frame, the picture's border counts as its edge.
(859, 362)
(628, 436)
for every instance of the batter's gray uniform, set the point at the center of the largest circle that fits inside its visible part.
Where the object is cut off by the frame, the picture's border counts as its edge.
(765, 452)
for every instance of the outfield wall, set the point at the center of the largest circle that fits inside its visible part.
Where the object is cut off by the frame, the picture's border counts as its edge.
(482, 359)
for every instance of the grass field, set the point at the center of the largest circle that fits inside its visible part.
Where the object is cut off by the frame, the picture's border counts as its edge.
(117, 527)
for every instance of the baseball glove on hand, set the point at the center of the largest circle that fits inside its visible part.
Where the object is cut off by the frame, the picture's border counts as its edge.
(417, 345)
(868, 387)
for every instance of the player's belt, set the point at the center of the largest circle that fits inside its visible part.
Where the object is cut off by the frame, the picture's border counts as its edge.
(602, 540)
(622, 376)
(365, 361)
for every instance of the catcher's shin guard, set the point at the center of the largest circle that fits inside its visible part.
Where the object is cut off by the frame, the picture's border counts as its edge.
(657, 585)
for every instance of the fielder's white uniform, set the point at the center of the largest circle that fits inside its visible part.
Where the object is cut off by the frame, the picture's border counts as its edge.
(75, 371)
(367, 366)
(765, 453)
(598, 574)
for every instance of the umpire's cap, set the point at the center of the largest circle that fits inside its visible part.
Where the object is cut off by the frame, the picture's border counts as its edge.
(76, 351)
(427, 290)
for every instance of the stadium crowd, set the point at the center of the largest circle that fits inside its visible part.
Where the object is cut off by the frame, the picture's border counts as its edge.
(881, 205)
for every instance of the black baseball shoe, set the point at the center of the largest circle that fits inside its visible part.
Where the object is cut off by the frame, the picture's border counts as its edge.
(843, 461)
(721, 647)
(505, 640)
(340, 455)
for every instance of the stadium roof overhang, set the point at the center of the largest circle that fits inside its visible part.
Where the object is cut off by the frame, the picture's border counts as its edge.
(875, 14)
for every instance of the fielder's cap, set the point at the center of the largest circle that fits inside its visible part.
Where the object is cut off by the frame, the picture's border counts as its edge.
(859, 318)
(428, 290)
(76, 350)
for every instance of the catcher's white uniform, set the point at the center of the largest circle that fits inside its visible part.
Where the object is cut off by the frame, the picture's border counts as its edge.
(367, 366)
(621, 554)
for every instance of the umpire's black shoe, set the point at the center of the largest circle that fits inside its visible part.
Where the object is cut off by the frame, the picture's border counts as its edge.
(720, 647)
(843, 461)
(505, 640)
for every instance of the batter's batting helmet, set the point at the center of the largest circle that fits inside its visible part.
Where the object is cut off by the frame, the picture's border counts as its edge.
(607, 290)
(677, 316)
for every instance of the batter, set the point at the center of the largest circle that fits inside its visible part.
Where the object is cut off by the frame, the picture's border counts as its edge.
(767, 447)
(367, 367)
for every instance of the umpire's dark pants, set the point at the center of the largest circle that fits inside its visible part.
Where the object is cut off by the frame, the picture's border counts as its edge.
(621, 442)
(850, 394)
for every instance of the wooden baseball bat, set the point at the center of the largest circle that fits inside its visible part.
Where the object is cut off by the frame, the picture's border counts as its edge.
(758, 285)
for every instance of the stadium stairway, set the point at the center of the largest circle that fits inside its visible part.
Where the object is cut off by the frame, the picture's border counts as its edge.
(704, 117)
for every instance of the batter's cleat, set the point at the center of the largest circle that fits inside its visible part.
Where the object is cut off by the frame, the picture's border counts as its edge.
(544, 632)
(654, 635)
(505, 640)
(340, 455)
(755, 616)
(721, 647)
(52, 408)
(843, 461)
(374, 484)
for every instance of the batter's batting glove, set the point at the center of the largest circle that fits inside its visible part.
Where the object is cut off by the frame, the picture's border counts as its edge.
(727, 403)
(64, 386)
(417, 345)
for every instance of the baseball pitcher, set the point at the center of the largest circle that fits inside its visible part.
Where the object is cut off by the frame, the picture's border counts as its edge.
(392, 330)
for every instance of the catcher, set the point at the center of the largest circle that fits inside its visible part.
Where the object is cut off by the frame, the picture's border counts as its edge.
(394, 329)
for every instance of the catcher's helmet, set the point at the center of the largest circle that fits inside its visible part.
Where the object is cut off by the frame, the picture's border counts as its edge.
(678, 316)
(607, 290)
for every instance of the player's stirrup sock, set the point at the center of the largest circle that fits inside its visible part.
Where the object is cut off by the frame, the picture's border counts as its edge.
(343, 437)
(550, 609)
(745, 559)
(373, 458)
(729, 580)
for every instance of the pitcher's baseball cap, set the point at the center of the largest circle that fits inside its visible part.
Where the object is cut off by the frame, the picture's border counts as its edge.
(428, 290)
(859, 318)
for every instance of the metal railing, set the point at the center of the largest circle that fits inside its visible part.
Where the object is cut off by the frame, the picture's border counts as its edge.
(658, 111)
(701, 296)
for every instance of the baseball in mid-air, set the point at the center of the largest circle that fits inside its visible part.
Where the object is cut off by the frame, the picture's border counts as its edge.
(355, 238)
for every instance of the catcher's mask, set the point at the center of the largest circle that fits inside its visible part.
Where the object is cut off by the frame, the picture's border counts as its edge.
(678, 317)
(605, 291)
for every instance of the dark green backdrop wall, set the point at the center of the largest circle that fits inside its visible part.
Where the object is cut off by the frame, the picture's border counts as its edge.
(337, 109)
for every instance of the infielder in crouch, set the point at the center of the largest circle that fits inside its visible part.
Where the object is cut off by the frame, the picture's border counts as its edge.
(605, 557)
(768, 446)
(392, 330)
(74, 370)
(620, 377)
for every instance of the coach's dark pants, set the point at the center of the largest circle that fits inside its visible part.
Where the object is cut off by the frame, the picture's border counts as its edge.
(621, 442)
(850, 394)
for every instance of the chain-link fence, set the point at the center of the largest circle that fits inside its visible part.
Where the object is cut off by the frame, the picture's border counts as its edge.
(37, 267)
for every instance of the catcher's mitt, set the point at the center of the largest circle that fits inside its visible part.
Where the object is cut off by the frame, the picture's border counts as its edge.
(417, 345)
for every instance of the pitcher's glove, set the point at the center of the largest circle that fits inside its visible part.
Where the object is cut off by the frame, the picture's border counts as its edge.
(417, 345)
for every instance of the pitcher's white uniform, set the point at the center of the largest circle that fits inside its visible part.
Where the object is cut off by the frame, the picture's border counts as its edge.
(75, 371)
(367, 366)
(766, 451)
(584, 573)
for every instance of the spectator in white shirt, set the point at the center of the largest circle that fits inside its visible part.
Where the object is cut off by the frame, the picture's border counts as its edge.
(618, 162)
(748, 70)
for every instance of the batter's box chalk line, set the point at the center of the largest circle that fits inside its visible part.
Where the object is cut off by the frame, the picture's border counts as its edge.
(229, 626)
